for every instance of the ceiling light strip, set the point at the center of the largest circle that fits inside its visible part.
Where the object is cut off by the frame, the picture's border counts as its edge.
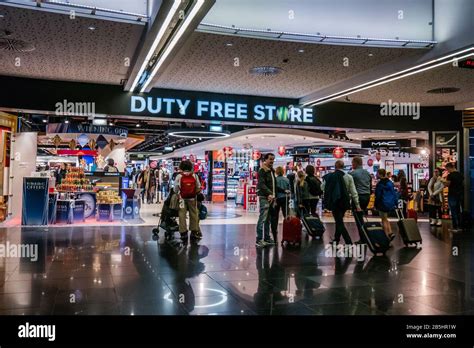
(173, 43)
(87, 7)
(209, 26)
(392, 77)
(157, 40)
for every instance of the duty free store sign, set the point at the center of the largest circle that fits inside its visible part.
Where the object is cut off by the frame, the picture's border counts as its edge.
(220, 110)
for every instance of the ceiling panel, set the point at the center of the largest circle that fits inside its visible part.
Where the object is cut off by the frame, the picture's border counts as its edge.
(209, 64)
(66, 49)
(414, 88)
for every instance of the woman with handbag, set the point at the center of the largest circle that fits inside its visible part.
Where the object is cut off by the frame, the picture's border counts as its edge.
(435, 189)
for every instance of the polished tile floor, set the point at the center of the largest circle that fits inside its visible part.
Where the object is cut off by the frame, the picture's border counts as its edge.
(121, 270)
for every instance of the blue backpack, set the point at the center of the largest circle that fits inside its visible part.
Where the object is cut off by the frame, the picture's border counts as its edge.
(388, 199)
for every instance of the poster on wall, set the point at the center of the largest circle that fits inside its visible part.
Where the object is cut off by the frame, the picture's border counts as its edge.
(35, 201)
(446, 148)
(389, 166)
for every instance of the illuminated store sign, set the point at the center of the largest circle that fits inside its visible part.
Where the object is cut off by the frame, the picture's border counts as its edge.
(218, 110)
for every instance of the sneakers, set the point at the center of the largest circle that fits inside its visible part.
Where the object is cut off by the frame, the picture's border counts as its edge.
(439, 223)
(196, 235)
(269, 242)
(184, 236)
(264, 243)
(432, 222)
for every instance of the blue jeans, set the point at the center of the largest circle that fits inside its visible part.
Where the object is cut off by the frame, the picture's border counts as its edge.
(455, 208)
(263, 224)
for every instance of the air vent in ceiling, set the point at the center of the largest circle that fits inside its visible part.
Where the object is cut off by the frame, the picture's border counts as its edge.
(443, 90)
(265, 70)
(15, 45)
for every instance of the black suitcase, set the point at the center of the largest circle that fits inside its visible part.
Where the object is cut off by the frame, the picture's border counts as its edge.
(313, 226)
(374, 235)
(408, 229)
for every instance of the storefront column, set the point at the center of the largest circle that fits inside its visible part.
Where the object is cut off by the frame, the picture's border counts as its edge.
(24, 147)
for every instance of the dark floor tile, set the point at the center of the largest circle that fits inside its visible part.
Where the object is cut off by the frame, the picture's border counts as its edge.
(87, 296)
(27, 300)
(322, 296)
(224, 276)
(295, 308)
(26, 311)
(337, 281)
(409, 307)
(444, 303)
(87, 309)
(199, 289)
(343, 309)
(160, 307)
(214, 304)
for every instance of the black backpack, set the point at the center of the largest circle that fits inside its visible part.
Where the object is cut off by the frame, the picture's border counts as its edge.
(314, 185)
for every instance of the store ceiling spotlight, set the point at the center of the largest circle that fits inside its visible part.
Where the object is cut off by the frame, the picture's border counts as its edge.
(197, 133)
(448, 59)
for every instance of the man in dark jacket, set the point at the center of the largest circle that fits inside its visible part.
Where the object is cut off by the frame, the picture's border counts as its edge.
(339, 189)
(266, 191)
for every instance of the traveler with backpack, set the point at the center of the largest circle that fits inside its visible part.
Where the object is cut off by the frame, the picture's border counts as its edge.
(187, 187)
(363, 185)
(339, 189)
(314, 188)
(282, 194)
(386, 200)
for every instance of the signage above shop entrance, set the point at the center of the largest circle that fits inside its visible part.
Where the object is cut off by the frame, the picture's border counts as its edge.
(87, 129)
(220, 110)
(385, 143)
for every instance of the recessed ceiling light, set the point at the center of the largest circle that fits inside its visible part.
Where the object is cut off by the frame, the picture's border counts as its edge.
(2, 15)
(301, 50)
(371, 54)
(45, 120)
(66, 121)
(229, 44)
(137, 125)
(91, 27)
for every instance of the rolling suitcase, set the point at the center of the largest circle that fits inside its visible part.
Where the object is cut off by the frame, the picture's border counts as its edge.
(412, 214)
(374, 235)
(313, 225)
(291, 230)
(408, 229)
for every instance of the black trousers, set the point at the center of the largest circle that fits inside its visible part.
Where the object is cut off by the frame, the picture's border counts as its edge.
(281, 205)
(311, 205)
(338, 215)
(435, 211)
